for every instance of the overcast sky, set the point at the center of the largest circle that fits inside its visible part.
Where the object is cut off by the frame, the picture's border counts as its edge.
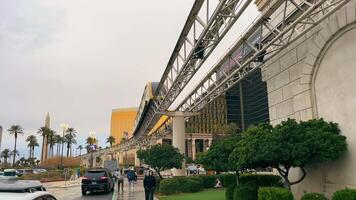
(79, 59)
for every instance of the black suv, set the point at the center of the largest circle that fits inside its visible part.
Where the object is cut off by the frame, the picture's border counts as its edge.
(99, 179)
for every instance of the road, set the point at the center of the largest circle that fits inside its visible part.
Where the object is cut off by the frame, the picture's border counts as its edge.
(74, 193)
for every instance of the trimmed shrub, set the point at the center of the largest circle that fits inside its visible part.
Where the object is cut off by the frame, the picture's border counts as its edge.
(314, 196)
(274, 193)
(190, 185)
(229, 194)
(227, 179)
(262, 180)
(247, 191)
(208, 181)
(345, 194)
(169, 186)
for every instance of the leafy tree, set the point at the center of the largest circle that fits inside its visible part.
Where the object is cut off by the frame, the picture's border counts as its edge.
(5, 154)
(217, 157)
(290, 144)
(15, 130)
(32, 143)
(38, 162)
(15, 153)
(110, 140)
(161, 157)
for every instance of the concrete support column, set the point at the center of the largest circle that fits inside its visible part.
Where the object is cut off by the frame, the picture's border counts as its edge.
(121, 158)
(178, 140)
(209, 143)
(137, 161)
(194, 149)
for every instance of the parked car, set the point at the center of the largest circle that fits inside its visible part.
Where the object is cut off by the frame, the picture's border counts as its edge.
(24, 171)
(192, 169)
(39, 171)
(98, 179)
(23, 190)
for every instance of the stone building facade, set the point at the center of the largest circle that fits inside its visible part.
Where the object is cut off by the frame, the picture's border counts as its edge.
(313, 78)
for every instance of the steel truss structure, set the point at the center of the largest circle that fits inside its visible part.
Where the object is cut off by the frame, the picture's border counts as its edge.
(297, 19)
(197, 41)
(292, 25)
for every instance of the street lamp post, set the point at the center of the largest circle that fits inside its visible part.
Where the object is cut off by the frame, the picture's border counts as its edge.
(64, 127)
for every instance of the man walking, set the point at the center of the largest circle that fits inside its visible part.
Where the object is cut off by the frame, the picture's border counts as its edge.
(120, 179)
(149, 183)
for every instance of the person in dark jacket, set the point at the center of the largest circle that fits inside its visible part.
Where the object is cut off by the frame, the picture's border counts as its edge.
(149, 183)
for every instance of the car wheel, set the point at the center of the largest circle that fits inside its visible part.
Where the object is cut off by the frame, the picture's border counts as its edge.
(84, 192)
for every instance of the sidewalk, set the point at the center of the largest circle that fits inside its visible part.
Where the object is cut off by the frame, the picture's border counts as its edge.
(62, 184)
(135, 193)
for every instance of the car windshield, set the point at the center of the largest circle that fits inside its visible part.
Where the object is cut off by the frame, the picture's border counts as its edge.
(95, 174)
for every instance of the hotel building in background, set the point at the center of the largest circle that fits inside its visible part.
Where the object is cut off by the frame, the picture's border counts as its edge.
(122, 121)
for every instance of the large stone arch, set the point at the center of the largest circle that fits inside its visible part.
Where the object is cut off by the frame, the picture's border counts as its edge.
(331, 70)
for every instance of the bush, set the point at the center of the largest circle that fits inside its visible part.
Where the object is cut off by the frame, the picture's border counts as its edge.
(227, 179)
(262, 180)
(208, 181)
(180, 184)
(247, 191)
(345, 194)
(314, 196)
(189, 185)
(169, 186)
(229, 194)
(274, 193)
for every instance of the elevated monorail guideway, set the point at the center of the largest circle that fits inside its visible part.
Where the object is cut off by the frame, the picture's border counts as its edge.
(204, 29)
(263, 40)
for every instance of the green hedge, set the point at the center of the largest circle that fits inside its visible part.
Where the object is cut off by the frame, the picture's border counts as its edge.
(247, 191)
(190, 185)
(229, 194)
(249, 184)
(314, 196)
(169, 186)
(345, 194)
(274, 193)
(227, 179)
(208, 181)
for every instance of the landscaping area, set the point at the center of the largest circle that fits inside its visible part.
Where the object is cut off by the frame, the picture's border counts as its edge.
(209, 194)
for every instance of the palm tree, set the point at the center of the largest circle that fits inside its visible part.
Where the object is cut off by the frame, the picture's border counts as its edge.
(72, 134)
(5, 154)
(14, 153)
(80, 147)
(91, 141)
(69, 139)
(43, 131)
(58, 140)
(110, 140)
(32, 143)
(15, 130)
(51, 141)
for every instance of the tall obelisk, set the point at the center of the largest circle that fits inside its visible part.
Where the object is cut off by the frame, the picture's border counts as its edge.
(45, 145)
(0, 136)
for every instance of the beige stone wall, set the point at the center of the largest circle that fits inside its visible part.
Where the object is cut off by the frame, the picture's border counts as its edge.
(291, 77)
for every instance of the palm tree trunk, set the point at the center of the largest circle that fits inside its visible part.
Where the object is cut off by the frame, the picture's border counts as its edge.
(80, 152)
(67, 151)
(42, 159)
(13, 160)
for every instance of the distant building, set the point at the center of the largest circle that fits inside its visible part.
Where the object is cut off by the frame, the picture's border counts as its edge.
(122, 122)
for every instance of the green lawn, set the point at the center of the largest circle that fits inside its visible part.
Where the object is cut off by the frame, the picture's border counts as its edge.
(211, 194)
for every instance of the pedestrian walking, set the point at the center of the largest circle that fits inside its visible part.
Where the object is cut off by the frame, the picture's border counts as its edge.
(131, 178)
(149, 183)
(120, 179)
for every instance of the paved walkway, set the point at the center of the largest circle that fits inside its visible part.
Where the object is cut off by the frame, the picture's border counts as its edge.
(134, 193)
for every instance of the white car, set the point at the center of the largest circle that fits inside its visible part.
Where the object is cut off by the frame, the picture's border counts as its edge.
(23, 190)
(41, 195)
